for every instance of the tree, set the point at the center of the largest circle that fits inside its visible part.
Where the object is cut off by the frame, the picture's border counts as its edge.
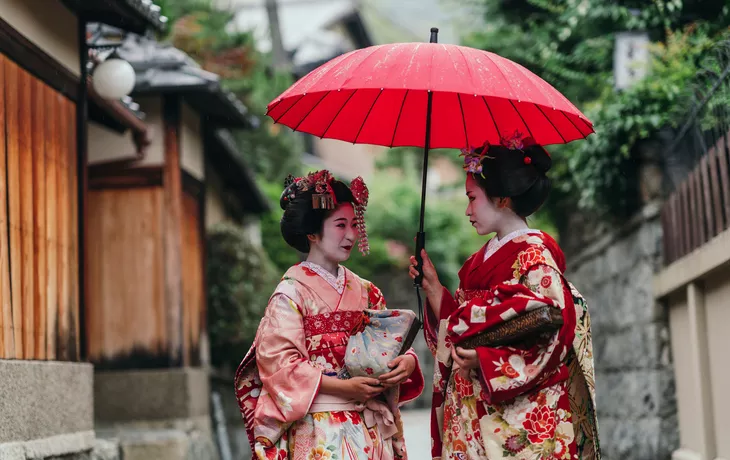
(202, 31)
(569, 43)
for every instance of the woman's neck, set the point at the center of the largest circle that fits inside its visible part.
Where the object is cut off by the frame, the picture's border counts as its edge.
(511, 223)
(327, 264)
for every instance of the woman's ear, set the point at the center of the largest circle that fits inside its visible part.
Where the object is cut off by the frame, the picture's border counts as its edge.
(312, 238)
(504, 203)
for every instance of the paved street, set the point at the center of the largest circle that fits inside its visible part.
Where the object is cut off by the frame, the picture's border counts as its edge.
(416, 427)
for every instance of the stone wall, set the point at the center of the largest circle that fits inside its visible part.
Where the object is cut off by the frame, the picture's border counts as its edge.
(637, 412)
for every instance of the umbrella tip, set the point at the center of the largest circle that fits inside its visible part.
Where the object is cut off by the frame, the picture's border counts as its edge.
(434, 35)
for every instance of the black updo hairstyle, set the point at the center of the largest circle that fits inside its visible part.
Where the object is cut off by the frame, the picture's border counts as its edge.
(301, 219)
(516, 174)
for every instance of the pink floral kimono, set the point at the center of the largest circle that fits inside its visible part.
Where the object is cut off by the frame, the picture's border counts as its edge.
(532, 401)
(302, 337)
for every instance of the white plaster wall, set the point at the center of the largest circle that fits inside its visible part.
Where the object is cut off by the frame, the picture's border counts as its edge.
(155, 153)
(108, 145)
(48, 24)
(191, 143)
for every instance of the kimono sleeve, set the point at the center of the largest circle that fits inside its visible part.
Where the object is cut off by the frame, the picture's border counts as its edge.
(290, 383)
(432, 324)
(413, 387)
(508, 372)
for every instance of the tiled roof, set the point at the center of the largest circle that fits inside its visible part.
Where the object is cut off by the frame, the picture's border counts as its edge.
(161, 67)
(131, 15)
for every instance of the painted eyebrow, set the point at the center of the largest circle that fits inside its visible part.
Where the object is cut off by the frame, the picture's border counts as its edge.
(341, 218)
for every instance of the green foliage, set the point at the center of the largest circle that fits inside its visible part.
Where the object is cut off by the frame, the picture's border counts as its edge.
(282, 255)
(601, 165)
(200, 29)
(240, 281)
(569, 43)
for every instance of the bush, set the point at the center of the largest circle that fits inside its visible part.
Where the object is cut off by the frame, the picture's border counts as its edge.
(241, 278)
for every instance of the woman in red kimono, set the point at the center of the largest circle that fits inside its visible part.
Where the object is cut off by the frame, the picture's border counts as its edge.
(292, 400)
(530, 401)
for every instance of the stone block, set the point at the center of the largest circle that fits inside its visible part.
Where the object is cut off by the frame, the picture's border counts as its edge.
(121, 396)
(42, 399)
(158, 445)
(638, 347)
(628, 439)
(12, 451)
(106, 449)
(635, 394)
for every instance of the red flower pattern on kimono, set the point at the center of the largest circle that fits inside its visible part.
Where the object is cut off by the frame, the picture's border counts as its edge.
(523, 409)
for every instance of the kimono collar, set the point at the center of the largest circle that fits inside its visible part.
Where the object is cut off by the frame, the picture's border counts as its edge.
(495, 243)
(338, 283)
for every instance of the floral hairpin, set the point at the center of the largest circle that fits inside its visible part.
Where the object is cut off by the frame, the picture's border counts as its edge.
(518, 141)
(514, 141)
(320, 182)
(361, 194)
(473, 159)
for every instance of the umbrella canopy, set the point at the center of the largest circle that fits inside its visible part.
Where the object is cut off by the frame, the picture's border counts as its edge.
(379, 95)
(427, 95)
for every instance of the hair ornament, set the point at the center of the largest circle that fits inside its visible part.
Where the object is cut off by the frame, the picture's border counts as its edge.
(473, 157)
(515, 141)
(361, 194)
(319, 181)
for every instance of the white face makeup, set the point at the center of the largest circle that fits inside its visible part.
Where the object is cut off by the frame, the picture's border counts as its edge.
(338, 237)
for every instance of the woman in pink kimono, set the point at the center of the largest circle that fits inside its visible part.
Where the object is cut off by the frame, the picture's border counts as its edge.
(292, 401)
(532, 400)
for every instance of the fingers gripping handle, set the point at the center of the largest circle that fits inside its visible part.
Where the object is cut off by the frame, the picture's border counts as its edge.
(420, 245)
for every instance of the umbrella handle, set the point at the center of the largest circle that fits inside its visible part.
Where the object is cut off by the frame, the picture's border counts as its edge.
(420, 245)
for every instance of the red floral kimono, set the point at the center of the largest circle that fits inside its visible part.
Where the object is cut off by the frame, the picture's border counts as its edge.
(532, 401)
(302, 337)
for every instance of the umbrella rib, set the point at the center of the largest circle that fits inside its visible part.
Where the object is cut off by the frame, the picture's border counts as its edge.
(572, 123)
(290, 107)
(590, 126)
(366, 116)
(397, 120)
(463, 120)
(268, 111)
(496, 128)
(529, 131)
(551, 123)
(337, 114)
(311, 110)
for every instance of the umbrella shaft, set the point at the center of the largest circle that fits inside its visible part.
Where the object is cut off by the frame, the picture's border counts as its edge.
(421, 237)
(426, 148)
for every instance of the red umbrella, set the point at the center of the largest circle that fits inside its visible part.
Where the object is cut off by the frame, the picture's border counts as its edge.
(427, 95)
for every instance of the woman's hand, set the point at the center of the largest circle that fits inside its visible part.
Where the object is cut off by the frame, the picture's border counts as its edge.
(402, 368)
(431, 284)
(465, 359)
(361, 389)
(358, 389)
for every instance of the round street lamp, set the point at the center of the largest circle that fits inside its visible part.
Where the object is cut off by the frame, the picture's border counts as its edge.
(113, 78)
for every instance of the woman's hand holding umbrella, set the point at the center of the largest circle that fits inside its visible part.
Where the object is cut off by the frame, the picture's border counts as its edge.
(431, 285)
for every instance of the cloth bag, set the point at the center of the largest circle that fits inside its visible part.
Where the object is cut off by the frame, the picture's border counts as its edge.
(381, 336)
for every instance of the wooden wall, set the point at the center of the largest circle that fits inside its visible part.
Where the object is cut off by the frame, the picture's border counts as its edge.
(124, 316)
(699, 209)
(38, 220)
(193, 272)
(146, 262)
